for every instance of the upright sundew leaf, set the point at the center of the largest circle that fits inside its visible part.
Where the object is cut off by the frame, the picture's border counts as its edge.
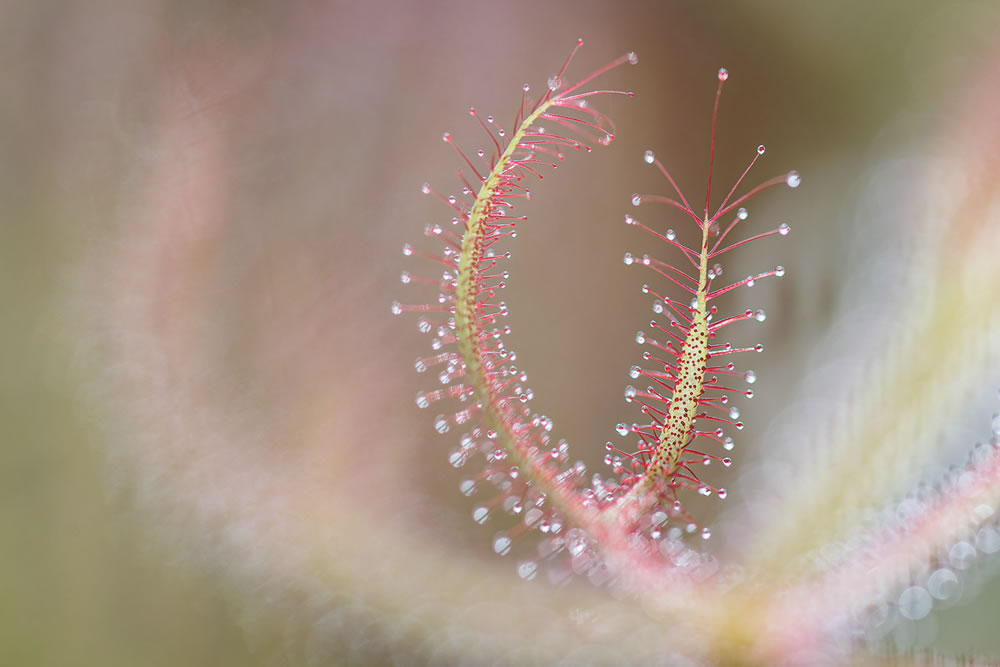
(533, 479)
(687, 402)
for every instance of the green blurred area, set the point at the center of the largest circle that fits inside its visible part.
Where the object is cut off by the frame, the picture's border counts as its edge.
(80, 583)
(77, 584)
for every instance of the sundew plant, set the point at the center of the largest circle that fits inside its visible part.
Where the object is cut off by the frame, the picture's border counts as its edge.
(844, 554)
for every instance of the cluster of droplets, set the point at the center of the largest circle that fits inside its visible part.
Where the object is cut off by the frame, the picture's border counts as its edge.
(939, 577)
(671, 375)
(521, 478)
(511, 500)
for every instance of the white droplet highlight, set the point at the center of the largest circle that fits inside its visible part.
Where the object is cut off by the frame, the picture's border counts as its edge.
(501, 545)
(915, 603)
(943, 584)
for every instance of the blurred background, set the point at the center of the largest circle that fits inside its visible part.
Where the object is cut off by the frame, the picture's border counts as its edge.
(211, 453)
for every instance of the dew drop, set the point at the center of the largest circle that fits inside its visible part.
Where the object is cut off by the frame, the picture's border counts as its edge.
(525, 87)
(636, 200)
(576, 541)
(779, 271)
(632, 58)
(407, 249)
(760, 149)
(722, 494)
(532, 516)
(622, 429)
(422, 400)
(640, 337)
(396, 308)
(750, 377)
(441, 424)
(501, 545)
(705, 491)
(426, 188)
(723, 74)
(915, 603)
(629, 393)
(629, 220)
(457, 458)
(726, 462)
(943, 584)
(635, 371)
(670, 235)
(420, 366)
(742, 214)
(446, 136)
(467, 487)
(481, 514)
(555, 83)
(629, 259)
(728, 444)
(760, 316)
(527, 569)
(988, 540)
(783, 229)
(793, 180)
(734, 413)
(961, 555)
(649, 157)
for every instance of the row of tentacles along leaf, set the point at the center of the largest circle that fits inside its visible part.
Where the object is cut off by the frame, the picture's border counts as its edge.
(586, 523)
